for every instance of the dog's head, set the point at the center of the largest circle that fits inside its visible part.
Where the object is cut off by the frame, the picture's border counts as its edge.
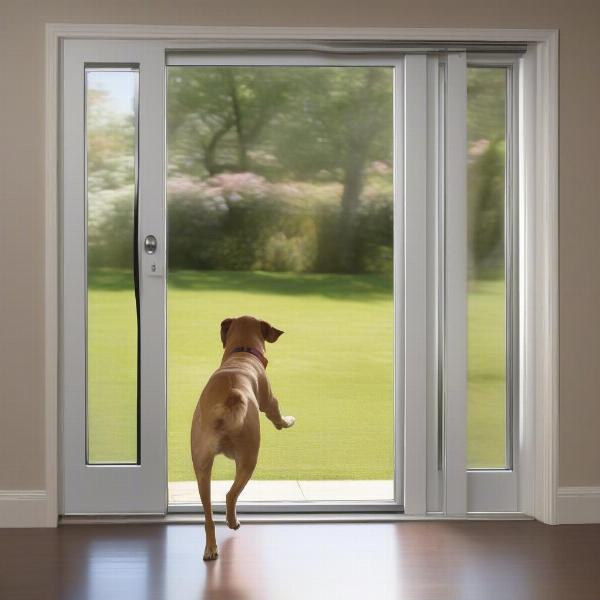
(248, 331)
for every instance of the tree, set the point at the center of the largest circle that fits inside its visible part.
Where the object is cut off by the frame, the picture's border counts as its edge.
(486, 210)
(486, 124)
(322, 124)
(217, 114)
(341, 119)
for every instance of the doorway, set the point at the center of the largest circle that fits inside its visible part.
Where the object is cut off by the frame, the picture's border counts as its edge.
(280, 204)
(316, 190)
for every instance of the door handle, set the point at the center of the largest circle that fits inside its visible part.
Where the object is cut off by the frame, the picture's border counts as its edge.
(152, 265)
(150, 244)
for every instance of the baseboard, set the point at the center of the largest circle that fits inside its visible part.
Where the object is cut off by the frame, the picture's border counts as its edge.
(24, 508)
(578, 505)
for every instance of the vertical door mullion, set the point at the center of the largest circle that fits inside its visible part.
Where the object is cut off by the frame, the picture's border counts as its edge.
(399, 420)
(414, 191)
(455, 352)
(435, 98)
(152, 221)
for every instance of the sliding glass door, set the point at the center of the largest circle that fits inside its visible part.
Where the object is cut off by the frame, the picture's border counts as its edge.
(363, 202)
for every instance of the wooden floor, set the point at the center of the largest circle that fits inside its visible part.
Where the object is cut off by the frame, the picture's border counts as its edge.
(510, 560)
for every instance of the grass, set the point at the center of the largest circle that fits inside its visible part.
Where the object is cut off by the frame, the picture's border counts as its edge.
(332, 369)
(486, 391)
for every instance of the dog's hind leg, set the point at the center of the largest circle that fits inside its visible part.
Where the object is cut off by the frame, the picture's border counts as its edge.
(203, 467)
(244, 467)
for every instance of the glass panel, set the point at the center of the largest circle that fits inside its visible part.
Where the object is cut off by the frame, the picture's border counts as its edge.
(280, 189)
(487, 391)
(111, 130)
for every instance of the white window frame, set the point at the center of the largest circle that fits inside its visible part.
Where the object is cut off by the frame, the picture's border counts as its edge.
(497, 490)
(538, 440)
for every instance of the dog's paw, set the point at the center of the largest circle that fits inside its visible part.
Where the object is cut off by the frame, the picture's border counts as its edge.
(233, 523)
(287, 422)
(211, 552)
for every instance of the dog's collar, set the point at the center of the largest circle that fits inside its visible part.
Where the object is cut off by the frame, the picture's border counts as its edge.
(254, 352)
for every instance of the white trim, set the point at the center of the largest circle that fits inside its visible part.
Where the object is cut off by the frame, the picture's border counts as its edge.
(538, 181)
(25, 508)
(578, 505)
(547, 340)
(540, 373)
(192, 33)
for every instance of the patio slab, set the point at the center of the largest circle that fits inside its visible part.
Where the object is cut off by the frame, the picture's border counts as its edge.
(360, 490)
(255, 491)
(185, 492)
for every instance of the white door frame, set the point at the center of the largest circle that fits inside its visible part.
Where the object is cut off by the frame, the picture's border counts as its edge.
(139, 488)
(539, 224)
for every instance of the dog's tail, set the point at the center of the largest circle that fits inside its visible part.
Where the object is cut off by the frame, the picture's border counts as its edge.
(232, 412)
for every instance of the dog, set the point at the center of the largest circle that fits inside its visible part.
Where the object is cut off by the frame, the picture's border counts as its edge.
(226, 419)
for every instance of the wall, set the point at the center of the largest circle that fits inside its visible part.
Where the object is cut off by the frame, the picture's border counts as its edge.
(22, 187)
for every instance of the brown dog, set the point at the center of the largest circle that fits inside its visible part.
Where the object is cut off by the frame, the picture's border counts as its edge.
(226, 419)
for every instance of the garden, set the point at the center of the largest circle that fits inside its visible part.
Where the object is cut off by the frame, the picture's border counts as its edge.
(279, 204)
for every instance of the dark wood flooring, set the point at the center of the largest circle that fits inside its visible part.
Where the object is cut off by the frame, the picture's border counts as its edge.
(507, 560)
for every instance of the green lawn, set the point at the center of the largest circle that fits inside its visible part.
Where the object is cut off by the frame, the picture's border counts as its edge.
(486, 375)
(332, 369)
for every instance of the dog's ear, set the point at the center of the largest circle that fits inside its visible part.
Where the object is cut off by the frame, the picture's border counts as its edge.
(269, 333)
(225, 325)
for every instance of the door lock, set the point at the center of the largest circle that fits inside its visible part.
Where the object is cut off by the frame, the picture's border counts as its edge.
(150, 244)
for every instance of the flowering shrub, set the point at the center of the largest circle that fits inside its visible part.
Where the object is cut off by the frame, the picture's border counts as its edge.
(110, 227)
(241, 221)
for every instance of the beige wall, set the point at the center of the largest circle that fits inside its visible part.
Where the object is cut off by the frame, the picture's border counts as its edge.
(22, 186)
